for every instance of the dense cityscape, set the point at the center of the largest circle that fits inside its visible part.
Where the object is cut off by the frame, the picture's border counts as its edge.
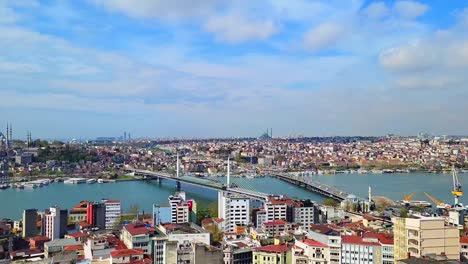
(242, 226)
(233, 132)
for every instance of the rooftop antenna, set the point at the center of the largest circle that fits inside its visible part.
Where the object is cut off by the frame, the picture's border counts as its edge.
(228, 172)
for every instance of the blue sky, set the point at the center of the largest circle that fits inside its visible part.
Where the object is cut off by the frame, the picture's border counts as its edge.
(233, 68)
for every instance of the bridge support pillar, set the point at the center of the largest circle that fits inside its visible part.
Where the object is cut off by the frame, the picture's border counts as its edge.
(178, 185)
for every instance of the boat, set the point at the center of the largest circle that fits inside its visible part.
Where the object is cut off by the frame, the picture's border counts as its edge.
(100, 181)
(75, 181)
(361, 171)
(416, 203)
(4, 186)
(91, 181)
(30, 185)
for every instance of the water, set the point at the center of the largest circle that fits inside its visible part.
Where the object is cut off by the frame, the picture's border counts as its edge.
(145, 193)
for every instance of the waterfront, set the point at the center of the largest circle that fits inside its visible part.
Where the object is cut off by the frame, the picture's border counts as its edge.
(145, 193)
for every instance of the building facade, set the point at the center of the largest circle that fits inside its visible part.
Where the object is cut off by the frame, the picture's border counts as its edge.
(113, 213)
(234, 209)
(54, 223)
(29, 223)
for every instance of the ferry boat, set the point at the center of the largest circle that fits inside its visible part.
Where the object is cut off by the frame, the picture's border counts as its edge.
(91, 181)
(361, 171)
(75, 181)
(4, 186)
(416, 203)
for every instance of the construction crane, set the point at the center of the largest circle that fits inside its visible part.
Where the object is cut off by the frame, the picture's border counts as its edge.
(457, 187)
(437, 203)
(407, 198)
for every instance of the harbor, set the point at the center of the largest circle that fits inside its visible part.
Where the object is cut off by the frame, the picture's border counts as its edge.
(144, 193)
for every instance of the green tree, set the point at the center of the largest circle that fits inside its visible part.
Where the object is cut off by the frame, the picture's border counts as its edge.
(330, 202)
(404, 212)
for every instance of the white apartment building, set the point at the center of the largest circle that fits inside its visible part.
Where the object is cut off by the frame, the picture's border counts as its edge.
(234, 209)
(180, 212)
(275, 210)
(330, 237)
(358, 250)
(113, 213)
(51, 223)
(311, 251)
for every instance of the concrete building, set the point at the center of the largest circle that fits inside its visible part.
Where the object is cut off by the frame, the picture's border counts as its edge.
(272, 254)
(113, 213)
(423, 236)
(277, 209)
(137, 235)
(464, 248)
(96, 215)
(54, 223)
(276, 227)
(358, 250)
(183, 243)
(29, 223)
(386, 243)
(161, 214)
(305, 213)
(332, 238)
(237, 255)
(234, 209)
(56, 246)
(310, 251)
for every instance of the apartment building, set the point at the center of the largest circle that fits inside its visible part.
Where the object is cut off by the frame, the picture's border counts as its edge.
(359, 250)
(137, 235)
(272, 254)
(113, 213)
(54, 223)
(310, 251)
(29, 223)
(423, 236)
(234, 209)
(328, 236)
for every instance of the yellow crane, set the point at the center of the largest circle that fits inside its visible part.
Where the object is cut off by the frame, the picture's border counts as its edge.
(438, 203)
(457, 187)
(407, 198)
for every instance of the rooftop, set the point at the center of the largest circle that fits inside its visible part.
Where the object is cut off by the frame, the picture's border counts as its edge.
(273, 248)
(313, 243)
(138, 229)
(126, 252)
(357, 240)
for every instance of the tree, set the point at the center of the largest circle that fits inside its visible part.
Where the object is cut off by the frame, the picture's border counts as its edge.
(213, 209)
(330, 202)
(404, 212)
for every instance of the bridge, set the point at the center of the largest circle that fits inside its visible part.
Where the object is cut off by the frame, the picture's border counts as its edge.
(314, 186)
(212, 183)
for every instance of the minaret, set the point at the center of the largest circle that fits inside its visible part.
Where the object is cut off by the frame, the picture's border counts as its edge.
(370, 195)
(7, 136)
(228, 173)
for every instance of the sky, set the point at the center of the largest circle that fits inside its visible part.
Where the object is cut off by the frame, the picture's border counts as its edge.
(215, 68)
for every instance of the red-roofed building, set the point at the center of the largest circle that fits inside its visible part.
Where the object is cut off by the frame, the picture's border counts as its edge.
(129, 256)
(464, 248)
(76, 248)
(78, 236)
(275, 227)
(37, 242)
(310, 251)
(356, 249)
(137, 236)
(278, 254)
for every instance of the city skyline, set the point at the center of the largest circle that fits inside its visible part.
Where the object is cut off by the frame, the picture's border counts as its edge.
(222, 69)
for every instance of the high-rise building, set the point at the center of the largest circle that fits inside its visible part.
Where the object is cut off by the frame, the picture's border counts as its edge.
(113, 213)
(422, 236)
(305, 214)
(234, 209)
(359, 250)
(96, 214)
(279, 208)
(54, 223)
(29, 223)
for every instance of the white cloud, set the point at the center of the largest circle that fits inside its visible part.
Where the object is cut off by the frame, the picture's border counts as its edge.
(18, 67)
(323, 36)
(377, 10)
(412, 57)
(173, 9)
(236, 28)
(410, 9)
(7, 15)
